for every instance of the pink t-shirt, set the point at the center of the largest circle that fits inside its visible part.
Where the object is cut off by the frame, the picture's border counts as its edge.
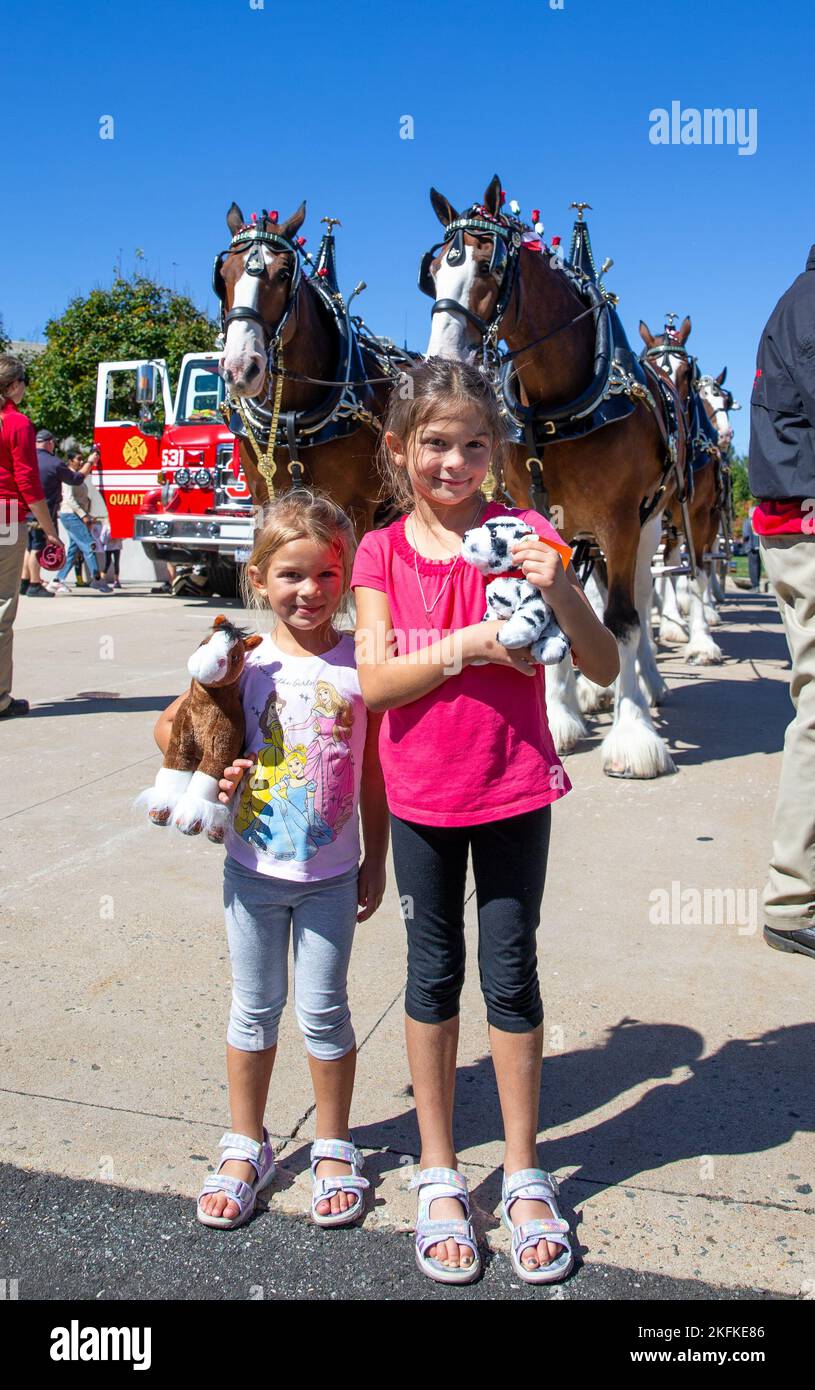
(478, 747)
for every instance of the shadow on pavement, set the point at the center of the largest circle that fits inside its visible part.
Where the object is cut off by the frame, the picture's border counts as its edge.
(760, 644)
(103, 703)
(750, 1096)
(723, 719)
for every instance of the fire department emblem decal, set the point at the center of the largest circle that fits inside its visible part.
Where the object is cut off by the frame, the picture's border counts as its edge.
(134, 451)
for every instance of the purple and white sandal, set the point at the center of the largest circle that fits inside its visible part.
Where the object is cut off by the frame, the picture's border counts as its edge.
(444, 1182)
(534, 1185)
(245, 1150)
(323, 1189)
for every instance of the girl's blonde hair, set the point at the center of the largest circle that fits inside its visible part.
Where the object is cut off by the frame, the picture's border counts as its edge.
(437, 387)
(299, 515)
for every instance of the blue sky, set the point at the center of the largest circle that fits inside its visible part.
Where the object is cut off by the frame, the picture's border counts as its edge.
(222, 99)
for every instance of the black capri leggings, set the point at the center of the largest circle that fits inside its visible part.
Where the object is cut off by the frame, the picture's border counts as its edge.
(509, 866)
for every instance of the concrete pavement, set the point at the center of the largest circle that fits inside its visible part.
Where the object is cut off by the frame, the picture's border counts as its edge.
(677, 1102)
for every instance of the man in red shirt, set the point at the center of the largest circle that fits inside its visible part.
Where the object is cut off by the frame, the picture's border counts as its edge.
(20, 492)
(782, 477)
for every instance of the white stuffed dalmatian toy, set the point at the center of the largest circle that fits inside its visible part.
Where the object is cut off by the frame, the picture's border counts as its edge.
(530, 620)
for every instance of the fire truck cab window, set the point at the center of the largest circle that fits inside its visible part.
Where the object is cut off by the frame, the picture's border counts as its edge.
(201, 395)
(121, 405)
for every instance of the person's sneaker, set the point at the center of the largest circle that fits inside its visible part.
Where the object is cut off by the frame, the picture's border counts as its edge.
(56, 586)
(101, 586)
(81, 582)
(24, 586)
(117, 584)
(161, 589)
(38, 591)
(802, 942)
(14, 708)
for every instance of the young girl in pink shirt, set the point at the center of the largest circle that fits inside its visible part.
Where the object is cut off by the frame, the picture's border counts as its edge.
(470, 767)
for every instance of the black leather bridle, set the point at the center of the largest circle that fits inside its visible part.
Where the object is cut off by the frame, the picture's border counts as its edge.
(503, 265)
(661, 353)
(255, 237)
(727, 402)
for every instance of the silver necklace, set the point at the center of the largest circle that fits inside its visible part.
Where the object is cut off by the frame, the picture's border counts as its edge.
(429, 610)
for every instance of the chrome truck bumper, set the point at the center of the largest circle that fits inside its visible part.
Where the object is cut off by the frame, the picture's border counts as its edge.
(227, 536)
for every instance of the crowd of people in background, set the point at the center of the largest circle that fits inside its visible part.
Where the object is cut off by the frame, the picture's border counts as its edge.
(39, 491)
(91, 549)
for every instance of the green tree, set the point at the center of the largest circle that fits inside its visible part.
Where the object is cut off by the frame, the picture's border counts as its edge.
(4, 340)
(741, 481)
(134, 318)
(743, 498)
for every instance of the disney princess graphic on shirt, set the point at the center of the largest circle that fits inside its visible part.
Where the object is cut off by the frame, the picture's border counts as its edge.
(329, 761)
(268, 769)
(300, 793)
(288, 825)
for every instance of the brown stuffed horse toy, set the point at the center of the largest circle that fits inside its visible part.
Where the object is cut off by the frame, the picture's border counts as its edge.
(207, 735)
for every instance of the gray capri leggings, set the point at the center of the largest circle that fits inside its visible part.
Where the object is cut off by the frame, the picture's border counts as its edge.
(260, 910)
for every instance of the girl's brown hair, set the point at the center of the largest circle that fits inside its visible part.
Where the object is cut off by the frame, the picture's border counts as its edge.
(434, 388)
(299, 515)
(12, 370)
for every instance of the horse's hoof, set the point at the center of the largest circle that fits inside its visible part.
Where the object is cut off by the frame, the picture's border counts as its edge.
(160, 817)
(672, 632)
(631, 776)
(566, 729)
(216, 835)
(705, 657)
(634, 750)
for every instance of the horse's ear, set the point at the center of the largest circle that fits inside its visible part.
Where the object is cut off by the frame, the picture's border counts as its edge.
(295, 222)
(719, 380)
(646, 334)
(443, 209)
(234, 219)
(492, 196)
(684, 330)
(253, 641)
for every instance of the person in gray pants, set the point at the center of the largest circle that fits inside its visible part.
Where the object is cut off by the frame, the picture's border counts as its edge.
(782, 477)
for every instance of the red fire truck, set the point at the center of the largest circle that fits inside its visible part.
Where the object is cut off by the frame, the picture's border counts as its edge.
(170, 473)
